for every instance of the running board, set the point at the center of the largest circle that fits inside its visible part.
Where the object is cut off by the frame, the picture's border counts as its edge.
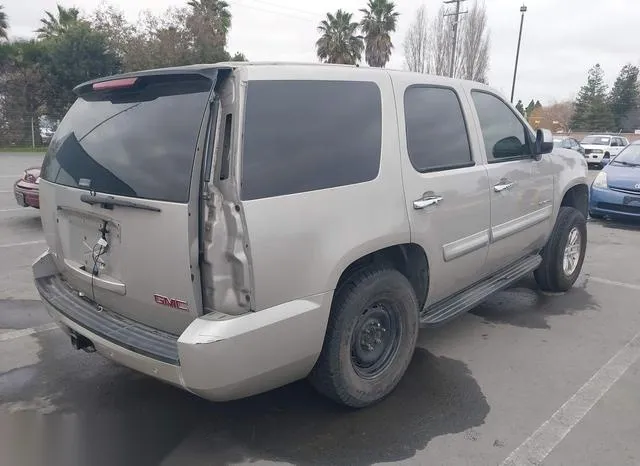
(466, 300)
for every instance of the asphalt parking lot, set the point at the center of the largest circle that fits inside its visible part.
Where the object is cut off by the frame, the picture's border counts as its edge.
(526, 378)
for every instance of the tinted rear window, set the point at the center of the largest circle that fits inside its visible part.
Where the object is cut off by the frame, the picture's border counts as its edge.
(307, 135)
(138, 143)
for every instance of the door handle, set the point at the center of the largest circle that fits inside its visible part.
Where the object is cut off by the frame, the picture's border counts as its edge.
(503, 185)
(426, 202)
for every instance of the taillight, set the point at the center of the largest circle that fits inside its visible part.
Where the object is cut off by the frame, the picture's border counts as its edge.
(114, 84)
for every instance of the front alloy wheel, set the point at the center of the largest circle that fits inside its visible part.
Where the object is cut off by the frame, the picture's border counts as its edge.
(564, 252)
(572, 252)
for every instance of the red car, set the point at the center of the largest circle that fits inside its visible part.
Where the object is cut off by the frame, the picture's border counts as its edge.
(26, 188)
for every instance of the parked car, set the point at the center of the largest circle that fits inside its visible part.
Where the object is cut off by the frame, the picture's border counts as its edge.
(25, 189)
(568, 143)
(233, 228)
(600, 148)
(616, 190)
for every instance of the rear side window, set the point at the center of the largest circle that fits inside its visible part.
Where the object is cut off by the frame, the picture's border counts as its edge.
(137, 142)
(303, 136)
(436, 132)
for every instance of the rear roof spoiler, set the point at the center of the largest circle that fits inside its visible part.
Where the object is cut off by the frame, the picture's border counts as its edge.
(209, 71)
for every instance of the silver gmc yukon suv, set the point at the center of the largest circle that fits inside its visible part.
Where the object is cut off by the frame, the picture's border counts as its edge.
(232, 228)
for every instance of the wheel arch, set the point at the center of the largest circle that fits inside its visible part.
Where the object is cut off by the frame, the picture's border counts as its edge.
(410, 259)
(577, 196)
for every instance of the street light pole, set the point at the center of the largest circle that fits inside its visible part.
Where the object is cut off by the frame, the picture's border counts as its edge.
(523, 10)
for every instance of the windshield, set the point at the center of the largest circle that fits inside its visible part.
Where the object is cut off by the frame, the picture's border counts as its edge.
(137, 142)
(596, 140)
(629, 156)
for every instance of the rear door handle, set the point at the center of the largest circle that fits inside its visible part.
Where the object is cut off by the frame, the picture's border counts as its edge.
(503, 185)
(426, 202)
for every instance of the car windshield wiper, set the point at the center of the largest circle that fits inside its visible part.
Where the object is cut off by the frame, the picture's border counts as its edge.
(109, 201)
(627, 164)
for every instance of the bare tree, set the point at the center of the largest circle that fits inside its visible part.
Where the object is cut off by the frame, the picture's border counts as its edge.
(559, 114)
(475, 44)
(440, 37)
(416, 43)
(472, 48)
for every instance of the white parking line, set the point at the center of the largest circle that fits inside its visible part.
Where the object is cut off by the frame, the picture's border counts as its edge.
(5, 192)
(26, 243)
(10, 176)
(13, 334)
(14, 209)
(615, 283)
(538, 446)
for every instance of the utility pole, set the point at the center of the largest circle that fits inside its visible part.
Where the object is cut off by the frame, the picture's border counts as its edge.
(523, 10)
(455, 32)
(33, 134)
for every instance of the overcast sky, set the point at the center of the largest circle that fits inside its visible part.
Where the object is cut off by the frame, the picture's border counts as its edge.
(562, 39)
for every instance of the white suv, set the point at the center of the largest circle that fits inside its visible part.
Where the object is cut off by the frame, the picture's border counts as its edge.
(601, 148)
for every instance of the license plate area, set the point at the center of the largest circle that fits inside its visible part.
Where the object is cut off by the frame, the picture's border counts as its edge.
(79, 234)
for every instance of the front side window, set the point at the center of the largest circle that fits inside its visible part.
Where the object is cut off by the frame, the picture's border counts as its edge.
(436, 132)
(505, 137)
(302, 136)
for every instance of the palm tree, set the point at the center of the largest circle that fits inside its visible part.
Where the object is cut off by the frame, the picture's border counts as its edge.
(4, 24)
(216, 10)
(339, 42)
(379, 21)
(53, 27)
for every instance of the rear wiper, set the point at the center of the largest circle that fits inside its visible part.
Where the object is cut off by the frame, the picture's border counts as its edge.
(109, 201)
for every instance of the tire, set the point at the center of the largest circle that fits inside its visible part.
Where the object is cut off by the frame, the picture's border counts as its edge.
(552, 275)
(341, 372)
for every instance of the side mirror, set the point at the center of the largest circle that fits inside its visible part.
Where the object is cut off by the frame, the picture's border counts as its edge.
(544, 142)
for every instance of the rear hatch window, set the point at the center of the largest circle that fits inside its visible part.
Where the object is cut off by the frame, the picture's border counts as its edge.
(137, 140)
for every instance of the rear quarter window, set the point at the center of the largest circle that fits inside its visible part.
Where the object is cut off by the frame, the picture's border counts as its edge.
(302, 136)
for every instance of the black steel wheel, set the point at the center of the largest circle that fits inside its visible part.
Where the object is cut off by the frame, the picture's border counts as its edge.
(370, 337)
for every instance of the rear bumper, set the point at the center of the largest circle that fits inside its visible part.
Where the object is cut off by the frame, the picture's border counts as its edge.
(607, 202)
(217, 357)
(26, 194)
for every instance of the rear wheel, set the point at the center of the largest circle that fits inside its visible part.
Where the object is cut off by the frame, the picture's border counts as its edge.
(563, 255)
(370, 338)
